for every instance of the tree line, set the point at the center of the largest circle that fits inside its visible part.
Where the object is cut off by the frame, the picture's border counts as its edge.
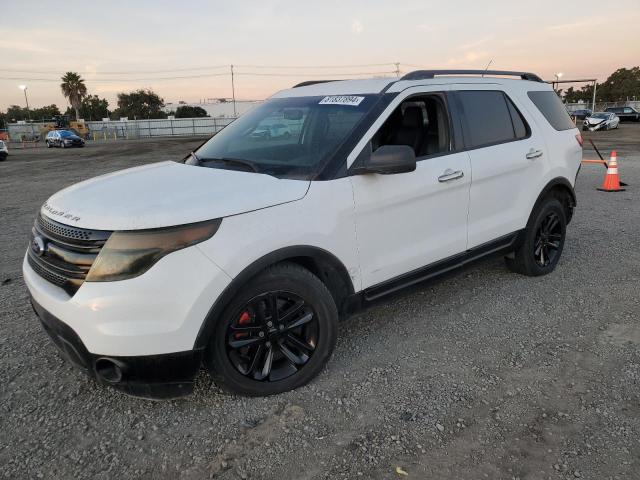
(138, 104)
(621, 85)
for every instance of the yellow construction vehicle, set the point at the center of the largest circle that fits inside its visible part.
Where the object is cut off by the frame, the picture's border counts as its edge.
(59, 122)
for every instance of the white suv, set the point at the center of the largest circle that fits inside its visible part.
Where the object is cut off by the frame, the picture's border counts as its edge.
(244, 255)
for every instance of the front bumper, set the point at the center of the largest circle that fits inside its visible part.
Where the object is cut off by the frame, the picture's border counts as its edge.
(153, 376)
(158, 312)
(593, 128)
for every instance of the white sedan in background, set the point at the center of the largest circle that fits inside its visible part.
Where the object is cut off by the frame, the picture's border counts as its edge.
(601, 121)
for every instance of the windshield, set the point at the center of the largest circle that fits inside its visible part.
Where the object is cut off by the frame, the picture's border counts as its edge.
(64, 133)
(600, 115)
(288, 137)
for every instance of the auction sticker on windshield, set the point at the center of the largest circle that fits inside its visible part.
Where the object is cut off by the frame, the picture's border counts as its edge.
(341, 100)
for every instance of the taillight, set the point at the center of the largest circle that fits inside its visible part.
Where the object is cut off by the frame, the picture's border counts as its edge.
(579, 139)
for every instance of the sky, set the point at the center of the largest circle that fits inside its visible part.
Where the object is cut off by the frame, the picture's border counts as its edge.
(118, 46)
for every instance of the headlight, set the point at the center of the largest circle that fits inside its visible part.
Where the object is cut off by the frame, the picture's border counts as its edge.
(131, 253)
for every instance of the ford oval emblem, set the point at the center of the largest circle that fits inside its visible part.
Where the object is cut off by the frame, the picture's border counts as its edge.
(38, 246)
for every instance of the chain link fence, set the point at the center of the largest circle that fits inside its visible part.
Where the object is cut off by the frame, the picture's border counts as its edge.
(125, 129)
(602, 106)
(131, 129)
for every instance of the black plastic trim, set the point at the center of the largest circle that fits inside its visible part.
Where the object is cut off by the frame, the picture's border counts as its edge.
(500, 245)
(162, 376)
(562, 182)
(313, 82)
(298, 251)
(336, 167)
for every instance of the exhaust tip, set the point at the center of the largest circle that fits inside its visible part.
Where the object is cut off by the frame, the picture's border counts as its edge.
(109, 370)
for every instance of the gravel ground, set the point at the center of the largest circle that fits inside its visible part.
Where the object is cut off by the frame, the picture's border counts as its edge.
(485, 374)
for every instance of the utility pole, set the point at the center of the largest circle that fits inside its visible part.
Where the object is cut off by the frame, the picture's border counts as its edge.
(397, 64)
(593, 103)
(24, 89)
(233, 93)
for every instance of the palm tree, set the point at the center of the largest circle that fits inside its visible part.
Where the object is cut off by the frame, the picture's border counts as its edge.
(74, 89)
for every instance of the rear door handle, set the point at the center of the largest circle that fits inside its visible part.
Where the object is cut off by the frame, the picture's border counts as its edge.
(534, 154)
(449, 175)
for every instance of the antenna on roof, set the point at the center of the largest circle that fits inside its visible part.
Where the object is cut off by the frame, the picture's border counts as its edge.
(487, 67)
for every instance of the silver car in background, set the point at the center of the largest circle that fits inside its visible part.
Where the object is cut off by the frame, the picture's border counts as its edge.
(601, 121)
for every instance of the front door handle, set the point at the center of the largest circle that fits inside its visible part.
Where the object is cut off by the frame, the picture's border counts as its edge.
(449, 175)
(534, 154)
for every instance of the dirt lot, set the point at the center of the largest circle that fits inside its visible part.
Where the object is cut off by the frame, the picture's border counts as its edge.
(485, 374)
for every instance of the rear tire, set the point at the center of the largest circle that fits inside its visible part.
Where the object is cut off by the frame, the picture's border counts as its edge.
(254, 352)
(543, 240)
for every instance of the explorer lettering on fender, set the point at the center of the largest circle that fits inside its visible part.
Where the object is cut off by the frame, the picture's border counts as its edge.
(246, 253)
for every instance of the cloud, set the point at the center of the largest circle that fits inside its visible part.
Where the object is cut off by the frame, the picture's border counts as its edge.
(429, 27)
(475, 44)
(357, 27)
(585, 23)
(468, 58)
(23, 46)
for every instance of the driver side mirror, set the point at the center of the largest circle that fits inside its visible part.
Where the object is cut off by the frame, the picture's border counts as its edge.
(389, 160)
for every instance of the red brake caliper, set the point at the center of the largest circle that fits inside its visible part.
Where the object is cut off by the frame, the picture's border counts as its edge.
(243, 320)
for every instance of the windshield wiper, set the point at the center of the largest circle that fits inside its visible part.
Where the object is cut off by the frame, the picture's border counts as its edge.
(233, 161)
(194, 160)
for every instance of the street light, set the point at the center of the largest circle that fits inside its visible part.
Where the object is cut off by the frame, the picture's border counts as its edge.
(24, 89)
(558, 75)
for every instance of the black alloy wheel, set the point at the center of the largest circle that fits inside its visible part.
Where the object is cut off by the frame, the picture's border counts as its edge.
(542, 241)
(275, 334)
(272, 337)
(548, 240)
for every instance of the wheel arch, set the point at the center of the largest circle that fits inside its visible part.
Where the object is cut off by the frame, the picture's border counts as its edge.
(561, 188)
(326, 266)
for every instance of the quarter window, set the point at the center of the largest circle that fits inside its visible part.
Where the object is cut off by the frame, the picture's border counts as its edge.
(520, 127)
(552, 109)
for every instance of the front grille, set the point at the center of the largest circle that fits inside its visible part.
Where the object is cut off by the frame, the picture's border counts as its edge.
(62, 254)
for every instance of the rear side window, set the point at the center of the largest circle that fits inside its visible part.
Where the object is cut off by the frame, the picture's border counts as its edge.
(552, 109)
(490, 118)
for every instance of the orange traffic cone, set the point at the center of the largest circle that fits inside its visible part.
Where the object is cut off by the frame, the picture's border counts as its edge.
(611, 178)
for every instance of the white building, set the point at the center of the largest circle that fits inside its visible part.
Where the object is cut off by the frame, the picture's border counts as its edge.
(216, 108)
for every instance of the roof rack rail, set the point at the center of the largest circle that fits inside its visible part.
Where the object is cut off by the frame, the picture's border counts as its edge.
(428, 74)
(312, 82)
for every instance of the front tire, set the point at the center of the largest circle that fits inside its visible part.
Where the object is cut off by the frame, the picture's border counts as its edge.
(544, 237)
(275, 335)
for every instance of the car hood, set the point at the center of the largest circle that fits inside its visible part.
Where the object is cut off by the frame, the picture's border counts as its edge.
(594, 121)
(166, 194)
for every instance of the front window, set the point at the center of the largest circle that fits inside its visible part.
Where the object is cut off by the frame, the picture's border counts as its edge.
(64, 134)
(600, 115)
(288, 137)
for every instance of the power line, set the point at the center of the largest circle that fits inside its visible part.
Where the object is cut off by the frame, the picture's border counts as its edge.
(318, 66)
(135, 72)
(207, 75)
(303, 74)
(210, 67)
